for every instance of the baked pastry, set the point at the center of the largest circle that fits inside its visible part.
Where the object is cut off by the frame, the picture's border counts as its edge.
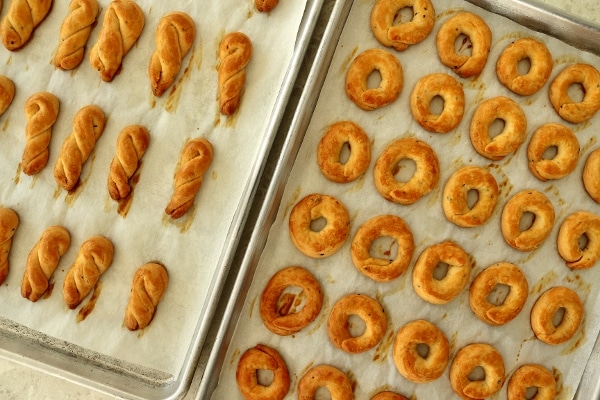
(41, 110)
(7, 93)
(265, 5)
(235, 51)
(257, 358)
(75, 32)
(401, 35)
(149, 285)
(122, 26)
(174, 37)
(195, 159)
(337, 383)
(22, 18)
(131, 146)
(94, 258)
(43, 260)
(9, 222)
(88, 125)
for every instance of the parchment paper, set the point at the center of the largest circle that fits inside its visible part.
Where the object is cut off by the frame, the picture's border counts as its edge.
(190, 248)
(374, 370)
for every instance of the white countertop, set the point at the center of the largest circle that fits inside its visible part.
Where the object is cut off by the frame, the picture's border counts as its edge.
(21, 381)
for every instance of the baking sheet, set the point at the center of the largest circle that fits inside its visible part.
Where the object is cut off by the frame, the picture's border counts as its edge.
(195, 249)
(338, 276)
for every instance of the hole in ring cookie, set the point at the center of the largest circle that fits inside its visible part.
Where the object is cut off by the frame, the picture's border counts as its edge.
(477, 374)
(498, 294)
(385, 248)
(404, 170)
(440, 271)
(404, 15)
(463, 45)
(576, 92)
(524, 66)
(558, 317)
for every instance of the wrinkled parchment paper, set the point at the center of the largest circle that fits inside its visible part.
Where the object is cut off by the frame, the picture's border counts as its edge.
(374, 370)
(190, 248)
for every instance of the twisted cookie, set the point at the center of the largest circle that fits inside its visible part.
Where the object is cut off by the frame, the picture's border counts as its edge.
(195, 160)
(9, 221)
(234, 52)
(41, 110)
(7, 93)
(22, 18)
(88, 125)
(122, 25)
(265, 5)
(43, 260)
(131, 146)
(174, 37)
(149, 284)
(93, 259)
(74, 33)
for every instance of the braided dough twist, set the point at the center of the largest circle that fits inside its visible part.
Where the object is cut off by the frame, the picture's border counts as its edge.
(94, 258)
(88, 125)
(41, 110)
(9, 222)
(7, 93)
(75, 32)
(131, 146)
(265, 5)
(174, 37)
(122, 26)
(195, 159)
(234, 52)
(43, 260)
(22, 18)
(149, 284)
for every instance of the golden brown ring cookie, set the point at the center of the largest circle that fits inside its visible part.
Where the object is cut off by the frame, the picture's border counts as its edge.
(407, 359)
(265, 5)
(379, 269)
(287, 323)
(424, 179)
(388, 396)
(584, 74)
(532, 375)
(330, 148)
(541, 65)
(441, 291)
(567, 152)
(450, 90)
(329, 239)
(265, 358)
(513, 134)
(391, 83)
(546, 307)
(573, 227)
(466, 360)
(591, 175)
(501, 273)
(454, 199)
(480, 35)
(337, 382)
(527, 201)
(400, 36)
(367, 309)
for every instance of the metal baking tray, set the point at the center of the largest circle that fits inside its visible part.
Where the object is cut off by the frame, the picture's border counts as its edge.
(541, 17)
(125, 380)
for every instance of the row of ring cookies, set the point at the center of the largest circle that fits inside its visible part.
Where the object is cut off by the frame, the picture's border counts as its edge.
(94, 258)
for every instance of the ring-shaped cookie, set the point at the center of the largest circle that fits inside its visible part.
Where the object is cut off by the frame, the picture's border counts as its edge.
(532, 376)
(466, 360)
(527, 201)
(367, 309)
(330, 148)
(392, 79)
(400, 36)
(444, 290)
(478, 32)
(289, 323)
(540, 61)
(546, 307)
(424, 179)
(513, 134)
(591, 175)
(388, 396)
(564, 105)
(573, 227)
(455, 201)
(337, 382)
(257, 358)
(501, 273)
(450, 90)
(380, 269)
(567, 152)
(407, 359)
(331, 237)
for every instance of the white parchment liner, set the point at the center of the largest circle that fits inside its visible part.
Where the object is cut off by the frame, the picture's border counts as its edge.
(374, 370)
(190, 248)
